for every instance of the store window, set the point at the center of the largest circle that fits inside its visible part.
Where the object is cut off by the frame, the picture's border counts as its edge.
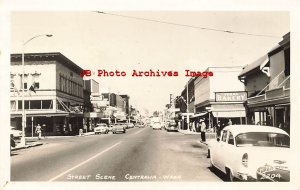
(13, 105)
(25, 81)
(35, 104)
(20, 104)
(47, 104)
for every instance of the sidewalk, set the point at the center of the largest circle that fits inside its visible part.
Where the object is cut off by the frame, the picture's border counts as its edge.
(34, 141)
(209, 136)
(28, 145)
(188, 132)
(61, 136)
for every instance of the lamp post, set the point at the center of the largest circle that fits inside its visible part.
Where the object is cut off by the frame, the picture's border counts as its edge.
(23, 142)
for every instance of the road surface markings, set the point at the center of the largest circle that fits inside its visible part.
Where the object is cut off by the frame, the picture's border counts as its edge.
(139, 131)
(84, 162)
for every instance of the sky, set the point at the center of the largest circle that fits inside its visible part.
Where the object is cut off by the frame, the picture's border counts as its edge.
(149, 41)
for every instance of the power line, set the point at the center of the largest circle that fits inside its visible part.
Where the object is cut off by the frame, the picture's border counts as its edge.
(188, 26)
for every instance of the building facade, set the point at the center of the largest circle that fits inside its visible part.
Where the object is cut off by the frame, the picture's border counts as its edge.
(220, 97)
(268, 80)
(53, 93)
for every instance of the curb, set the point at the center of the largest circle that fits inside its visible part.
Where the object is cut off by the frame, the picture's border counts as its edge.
(205, 143)
(27, 146)
(188, 133)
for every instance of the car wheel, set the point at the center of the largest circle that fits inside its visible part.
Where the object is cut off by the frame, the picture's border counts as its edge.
(229, 175)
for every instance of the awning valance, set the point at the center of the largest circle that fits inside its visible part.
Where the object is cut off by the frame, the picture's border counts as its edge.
(229, 114)
(93, 114)
(199, 114)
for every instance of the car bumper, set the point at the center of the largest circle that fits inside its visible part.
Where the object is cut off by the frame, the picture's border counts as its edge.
(118, 130)
(245, 177)
(100, 131)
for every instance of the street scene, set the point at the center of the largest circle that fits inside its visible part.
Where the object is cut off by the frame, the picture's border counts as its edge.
(141, 154)
(150, 96)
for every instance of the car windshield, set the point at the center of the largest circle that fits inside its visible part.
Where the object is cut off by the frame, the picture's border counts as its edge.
(265, 139)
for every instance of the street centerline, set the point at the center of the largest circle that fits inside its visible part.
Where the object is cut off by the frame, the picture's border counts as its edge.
(84, 162)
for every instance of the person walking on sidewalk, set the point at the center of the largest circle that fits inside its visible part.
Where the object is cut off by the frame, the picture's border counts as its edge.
(44, 130)
(38, 131)
(203, 129)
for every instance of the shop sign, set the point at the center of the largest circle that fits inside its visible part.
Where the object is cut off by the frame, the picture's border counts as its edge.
(240, 96)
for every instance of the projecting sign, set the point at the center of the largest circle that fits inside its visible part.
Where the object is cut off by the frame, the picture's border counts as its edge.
(231, 96)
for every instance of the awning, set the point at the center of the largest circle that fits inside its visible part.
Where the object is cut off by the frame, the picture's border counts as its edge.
(256, 64)
(40, 115)
(199, 114)
(229, 114)
(93, 114)
(46, 114)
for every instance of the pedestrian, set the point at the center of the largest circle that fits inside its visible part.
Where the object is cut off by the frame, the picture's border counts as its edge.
(85, 128)
(218, 128)
(70, 129)
(203, 130)
(64, 129)
(12, 141)
(44, 130)
(229, 122)
(38, 131)
(194, 126)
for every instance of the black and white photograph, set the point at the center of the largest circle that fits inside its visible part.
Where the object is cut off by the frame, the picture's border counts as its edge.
(150, 96)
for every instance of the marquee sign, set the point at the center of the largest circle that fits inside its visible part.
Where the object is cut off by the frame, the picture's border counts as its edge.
(238, 96)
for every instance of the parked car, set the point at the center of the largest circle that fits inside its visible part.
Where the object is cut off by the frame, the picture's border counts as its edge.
(172, 126)
(130, 125)
(110, 127)
(251, 153)
(156, 125)
(16, 134)
(119, 127)
(140, 125)
(101, 128)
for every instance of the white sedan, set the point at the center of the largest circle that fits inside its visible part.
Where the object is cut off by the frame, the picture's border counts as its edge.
(17, 134)
(156, 125)
(101, 128)
(251, 153)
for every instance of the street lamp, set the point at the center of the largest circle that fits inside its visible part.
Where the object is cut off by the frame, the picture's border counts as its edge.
(23, 142)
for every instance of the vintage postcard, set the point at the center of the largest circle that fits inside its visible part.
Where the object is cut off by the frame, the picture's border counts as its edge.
(140, 96)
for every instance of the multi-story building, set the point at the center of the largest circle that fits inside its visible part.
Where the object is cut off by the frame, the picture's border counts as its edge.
(97, 104)
(185, 103)
(267, 81)
(53, 93)
(220, 97)
(126, 99)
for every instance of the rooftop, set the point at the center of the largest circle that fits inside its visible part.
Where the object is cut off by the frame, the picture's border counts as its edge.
(50, 56)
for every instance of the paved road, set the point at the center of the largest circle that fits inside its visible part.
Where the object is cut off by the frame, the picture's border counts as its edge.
(138, 155)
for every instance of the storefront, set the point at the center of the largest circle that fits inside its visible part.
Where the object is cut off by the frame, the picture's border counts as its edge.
(271, 108)
(52, 123)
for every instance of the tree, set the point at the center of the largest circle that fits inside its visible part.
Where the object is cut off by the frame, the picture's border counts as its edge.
(155, 114)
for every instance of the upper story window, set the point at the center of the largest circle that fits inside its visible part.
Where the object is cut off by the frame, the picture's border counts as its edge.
(287, 61)
(25, 81)
(36, 80)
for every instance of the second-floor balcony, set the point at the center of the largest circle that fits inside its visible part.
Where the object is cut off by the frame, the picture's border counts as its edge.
(275, 90)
